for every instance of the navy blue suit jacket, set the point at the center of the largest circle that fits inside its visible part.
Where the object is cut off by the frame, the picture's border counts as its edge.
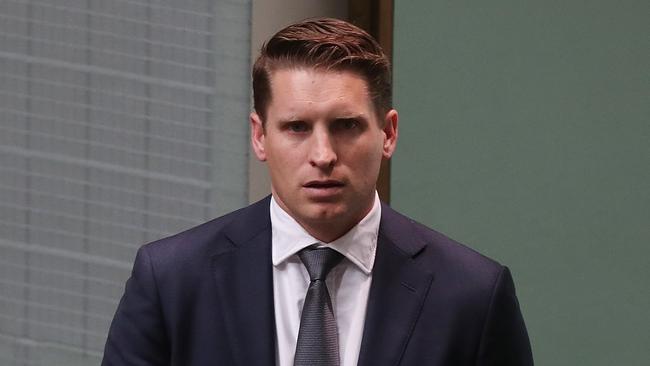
(205, 297)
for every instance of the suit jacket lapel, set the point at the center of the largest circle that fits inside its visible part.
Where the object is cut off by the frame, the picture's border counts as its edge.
(397, 293)
(244, 279)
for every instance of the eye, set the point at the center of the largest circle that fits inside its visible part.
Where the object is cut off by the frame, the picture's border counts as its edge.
(296, 126)
(347, 124)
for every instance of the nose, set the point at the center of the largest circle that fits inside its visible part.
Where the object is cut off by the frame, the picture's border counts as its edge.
(322, 152)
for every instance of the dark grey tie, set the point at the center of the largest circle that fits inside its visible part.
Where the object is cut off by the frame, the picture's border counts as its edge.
(318, 343)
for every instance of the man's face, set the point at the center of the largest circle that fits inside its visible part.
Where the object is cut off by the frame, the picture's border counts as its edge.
(323, 143)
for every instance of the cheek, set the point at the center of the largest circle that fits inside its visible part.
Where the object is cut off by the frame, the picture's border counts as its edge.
(373, 155)
(367, 164)
(284, 166)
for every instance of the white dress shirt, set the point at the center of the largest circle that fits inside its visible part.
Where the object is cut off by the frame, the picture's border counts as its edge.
(348, 283)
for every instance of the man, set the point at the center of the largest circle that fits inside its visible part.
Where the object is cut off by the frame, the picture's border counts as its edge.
(242, 289)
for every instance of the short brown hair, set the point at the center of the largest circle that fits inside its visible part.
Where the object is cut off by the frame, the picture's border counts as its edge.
(326, 43)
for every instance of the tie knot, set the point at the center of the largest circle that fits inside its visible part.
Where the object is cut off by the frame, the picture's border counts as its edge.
(319, 261)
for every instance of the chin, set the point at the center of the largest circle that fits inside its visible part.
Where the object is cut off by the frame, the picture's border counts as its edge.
(325, 211)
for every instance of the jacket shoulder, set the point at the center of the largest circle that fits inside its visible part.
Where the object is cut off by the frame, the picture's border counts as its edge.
(212, 237)
(437, 253)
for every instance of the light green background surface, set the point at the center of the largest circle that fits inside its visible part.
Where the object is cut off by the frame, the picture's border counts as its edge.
(525, 133)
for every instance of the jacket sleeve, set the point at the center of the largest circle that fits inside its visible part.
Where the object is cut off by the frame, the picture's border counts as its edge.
(137, 334)
(504, 341)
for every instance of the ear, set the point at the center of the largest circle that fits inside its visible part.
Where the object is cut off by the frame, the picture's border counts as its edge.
(257, 136)
(390, 133)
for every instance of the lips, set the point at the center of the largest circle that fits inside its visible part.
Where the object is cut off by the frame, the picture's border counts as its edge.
(325, 190)
(323, 184)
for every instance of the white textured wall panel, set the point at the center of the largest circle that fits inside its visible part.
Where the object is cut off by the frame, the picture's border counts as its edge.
(121, 122)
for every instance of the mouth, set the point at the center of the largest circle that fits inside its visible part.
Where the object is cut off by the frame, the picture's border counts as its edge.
(324, 184)
(324, 190)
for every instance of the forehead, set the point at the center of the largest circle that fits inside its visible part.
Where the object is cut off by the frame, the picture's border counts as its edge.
(296, 84)
(321, 72)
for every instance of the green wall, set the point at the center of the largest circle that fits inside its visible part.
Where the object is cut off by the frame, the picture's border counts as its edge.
(525, 133)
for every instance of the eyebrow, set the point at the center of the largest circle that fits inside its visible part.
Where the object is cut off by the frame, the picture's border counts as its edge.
(352, 116)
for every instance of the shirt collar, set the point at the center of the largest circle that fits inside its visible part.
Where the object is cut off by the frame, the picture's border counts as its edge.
(358, 245)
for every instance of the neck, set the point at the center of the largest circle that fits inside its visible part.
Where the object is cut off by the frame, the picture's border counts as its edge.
(326, 230)
(329, 232)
